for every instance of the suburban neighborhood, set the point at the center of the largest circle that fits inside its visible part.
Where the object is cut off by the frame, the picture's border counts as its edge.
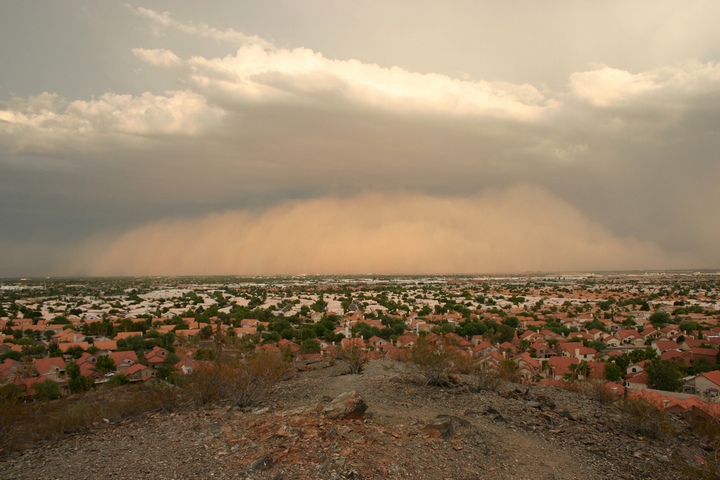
(613, 347)
(641, 331)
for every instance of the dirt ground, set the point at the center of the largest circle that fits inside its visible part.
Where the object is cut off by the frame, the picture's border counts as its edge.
(408, 431)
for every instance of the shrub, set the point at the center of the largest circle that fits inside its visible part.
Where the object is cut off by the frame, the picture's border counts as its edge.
(432, 363)
(643, 419)
(242, 382)
(355, 357)
(47, 390)
(486, 379)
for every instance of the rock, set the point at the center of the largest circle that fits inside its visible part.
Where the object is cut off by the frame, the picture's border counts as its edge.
(262, 463)
(440, 428)
(346, 405)
(546, 402)
(446, 426)
(568, 415)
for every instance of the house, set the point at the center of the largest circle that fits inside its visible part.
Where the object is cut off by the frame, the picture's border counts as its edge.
(186, 366)
(240, 332)
(52, 368)
(64, 347)
(637, 381)
(407, 340)
(377, 342)
(11, 369)
(491, 361)
(681, 359)
(542, 350)
(662, 346)
(106, 346)
(123, 360)
(627, 337)
(707, 383)
(288, 345)
(139, 373)
(577, 350)
(483, 348)
(353, 342)
(528, 367)
(156, 357)
(709, 355)
(559, 367)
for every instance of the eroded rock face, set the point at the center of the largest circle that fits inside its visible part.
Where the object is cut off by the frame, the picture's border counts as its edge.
(346, 405)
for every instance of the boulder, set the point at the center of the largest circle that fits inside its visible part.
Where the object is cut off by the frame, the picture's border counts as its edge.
(346, 405)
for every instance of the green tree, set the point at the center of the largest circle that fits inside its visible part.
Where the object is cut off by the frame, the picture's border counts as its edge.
(104, 364)
(613, 372)
(511, 322)
(659, 319)
(310, 346)
(505, 333)
(78, 382)
(664, 375)
(47, 390)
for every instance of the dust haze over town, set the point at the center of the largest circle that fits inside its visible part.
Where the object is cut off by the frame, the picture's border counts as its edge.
(525, 193)
(412, 138)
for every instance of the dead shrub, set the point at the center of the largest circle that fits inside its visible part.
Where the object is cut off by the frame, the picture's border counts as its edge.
(644, 419)
(257, 374)
(241, 382)
(433, 363)
(508, 370)
(593, 389)
(355, 357)
(486, 379)
(707, 469)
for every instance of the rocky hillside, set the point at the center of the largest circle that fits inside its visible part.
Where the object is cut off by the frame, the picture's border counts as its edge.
(406, 431)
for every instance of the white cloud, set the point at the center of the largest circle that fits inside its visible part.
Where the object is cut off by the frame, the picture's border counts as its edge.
(605, 86)
(515, 230)
(163, 21)
(47, 122)
(255, 72)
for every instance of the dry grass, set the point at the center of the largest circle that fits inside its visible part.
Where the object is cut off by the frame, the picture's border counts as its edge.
(592, 389)
(645, 420)
(237, 382)
(22, 423)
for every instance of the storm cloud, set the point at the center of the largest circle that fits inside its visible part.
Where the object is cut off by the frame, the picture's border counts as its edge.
(270, 159)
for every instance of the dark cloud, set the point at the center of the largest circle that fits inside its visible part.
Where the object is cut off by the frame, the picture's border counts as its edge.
(629, 154)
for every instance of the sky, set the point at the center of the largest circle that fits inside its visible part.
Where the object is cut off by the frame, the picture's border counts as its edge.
(334, 137)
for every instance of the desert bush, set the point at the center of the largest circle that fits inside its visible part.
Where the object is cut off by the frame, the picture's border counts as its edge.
(508, 370)
(592, 389)
(355, 357)
(643, 419)
(242, 382)
(257, 375)
(47, 390)
(22, 423)
(12, 413)
(483, 379)
(708, 469)
(433, 363)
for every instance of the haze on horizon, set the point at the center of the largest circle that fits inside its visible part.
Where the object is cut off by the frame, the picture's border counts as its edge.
(279, 137)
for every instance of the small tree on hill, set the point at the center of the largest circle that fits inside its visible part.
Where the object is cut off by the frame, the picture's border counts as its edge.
(664, 375)
(355, 357)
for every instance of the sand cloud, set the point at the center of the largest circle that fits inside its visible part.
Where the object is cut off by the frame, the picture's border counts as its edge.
(518, 229)
(304, 154)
